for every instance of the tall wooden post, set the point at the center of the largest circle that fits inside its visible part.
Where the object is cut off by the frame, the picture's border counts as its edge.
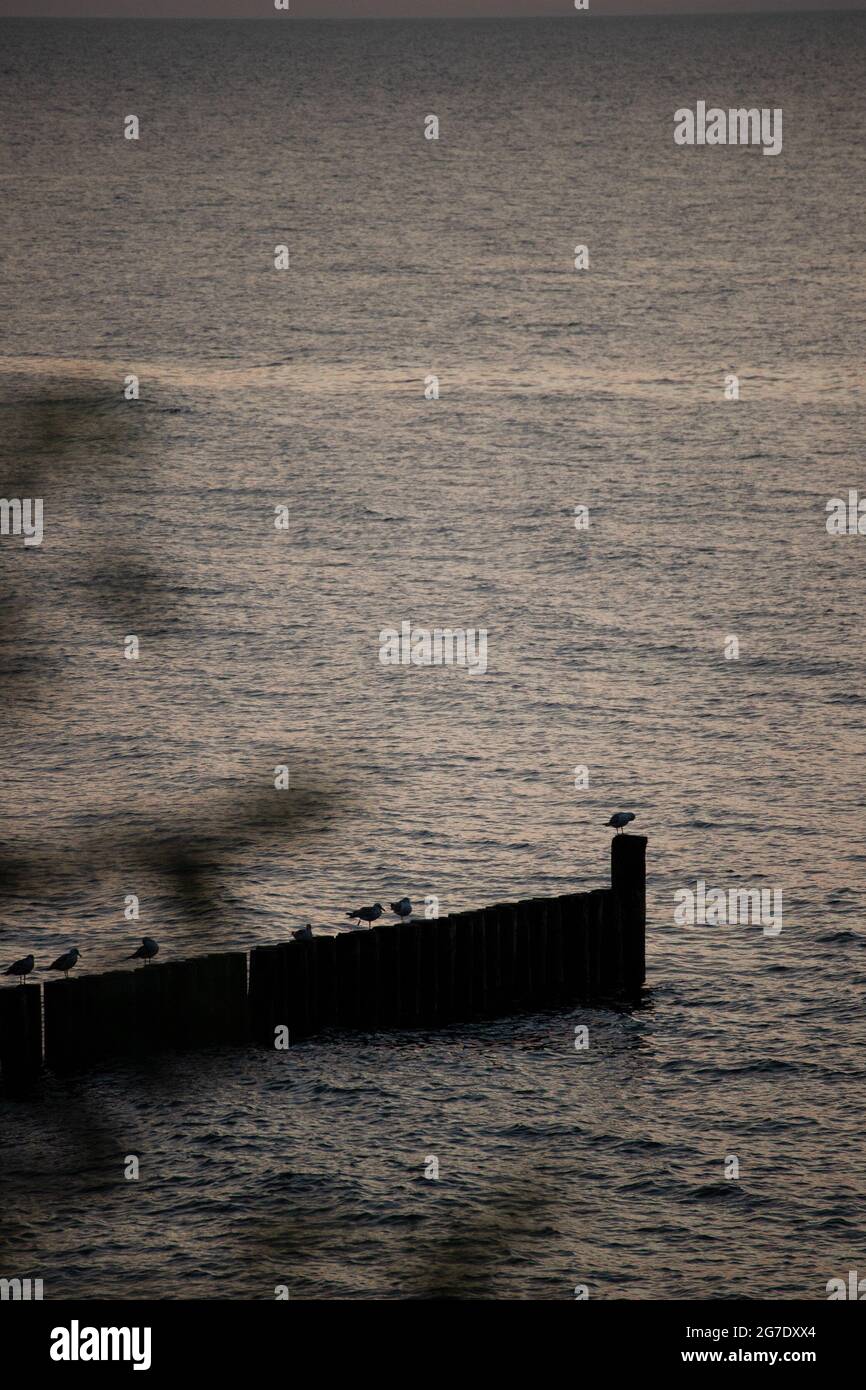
(20, 1037)
(628, 881)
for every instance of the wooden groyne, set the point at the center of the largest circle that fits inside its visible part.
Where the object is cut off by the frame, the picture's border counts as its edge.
(541, 953)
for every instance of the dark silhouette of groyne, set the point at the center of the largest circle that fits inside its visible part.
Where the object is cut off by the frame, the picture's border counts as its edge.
(512, 957)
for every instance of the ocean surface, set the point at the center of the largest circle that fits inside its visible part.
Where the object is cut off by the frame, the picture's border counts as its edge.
(259, 647)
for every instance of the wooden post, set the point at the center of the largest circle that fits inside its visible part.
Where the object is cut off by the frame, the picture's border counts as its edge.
(507, 915)
(428, 972)
(536, 911)
(368, 979)
(348, 979)
(71, 1023)
(462, 925)
(108, 1004)
(67, 1032)
(226, 982)
(445, 937)
(611, 947)
(148, 1009)
(188, 1003)
(594, 927)
(118, 1014)
(268, 994)
(180, 1015)
(298, 956)
(389, 937)
(20, 1037)
(326, 980)
(479, 964)
(312, 984)
(523, 984)
(574, 915)
(410, 973)
(490, 929)
(628, 881)
(236, 983)
(555, 973)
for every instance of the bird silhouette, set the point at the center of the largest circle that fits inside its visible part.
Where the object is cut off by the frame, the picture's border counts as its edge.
(66, 961)
(21, 967)
(366, 914)
(403, 908)
(146, 951)
(620, 819)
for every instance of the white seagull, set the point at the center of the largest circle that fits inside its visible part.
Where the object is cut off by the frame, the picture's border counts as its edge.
(619, 819)
(21, 967)
(366, 914)
(403, 908)
(146, 951)
(66, 961)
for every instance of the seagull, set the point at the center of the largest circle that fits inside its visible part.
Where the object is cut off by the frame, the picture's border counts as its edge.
(620, 819)
(21, 967)
(403, 908)
(146, 951)
(303, 933)
(66, 961)
(366, 914)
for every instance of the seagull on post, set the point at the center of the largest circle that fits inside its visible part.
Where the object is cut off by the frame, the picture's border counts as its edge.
(366, 914)
(303, 933)
(620, 819)
(21, 967)
(403, 908)
(146, 951)
(66, 961)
